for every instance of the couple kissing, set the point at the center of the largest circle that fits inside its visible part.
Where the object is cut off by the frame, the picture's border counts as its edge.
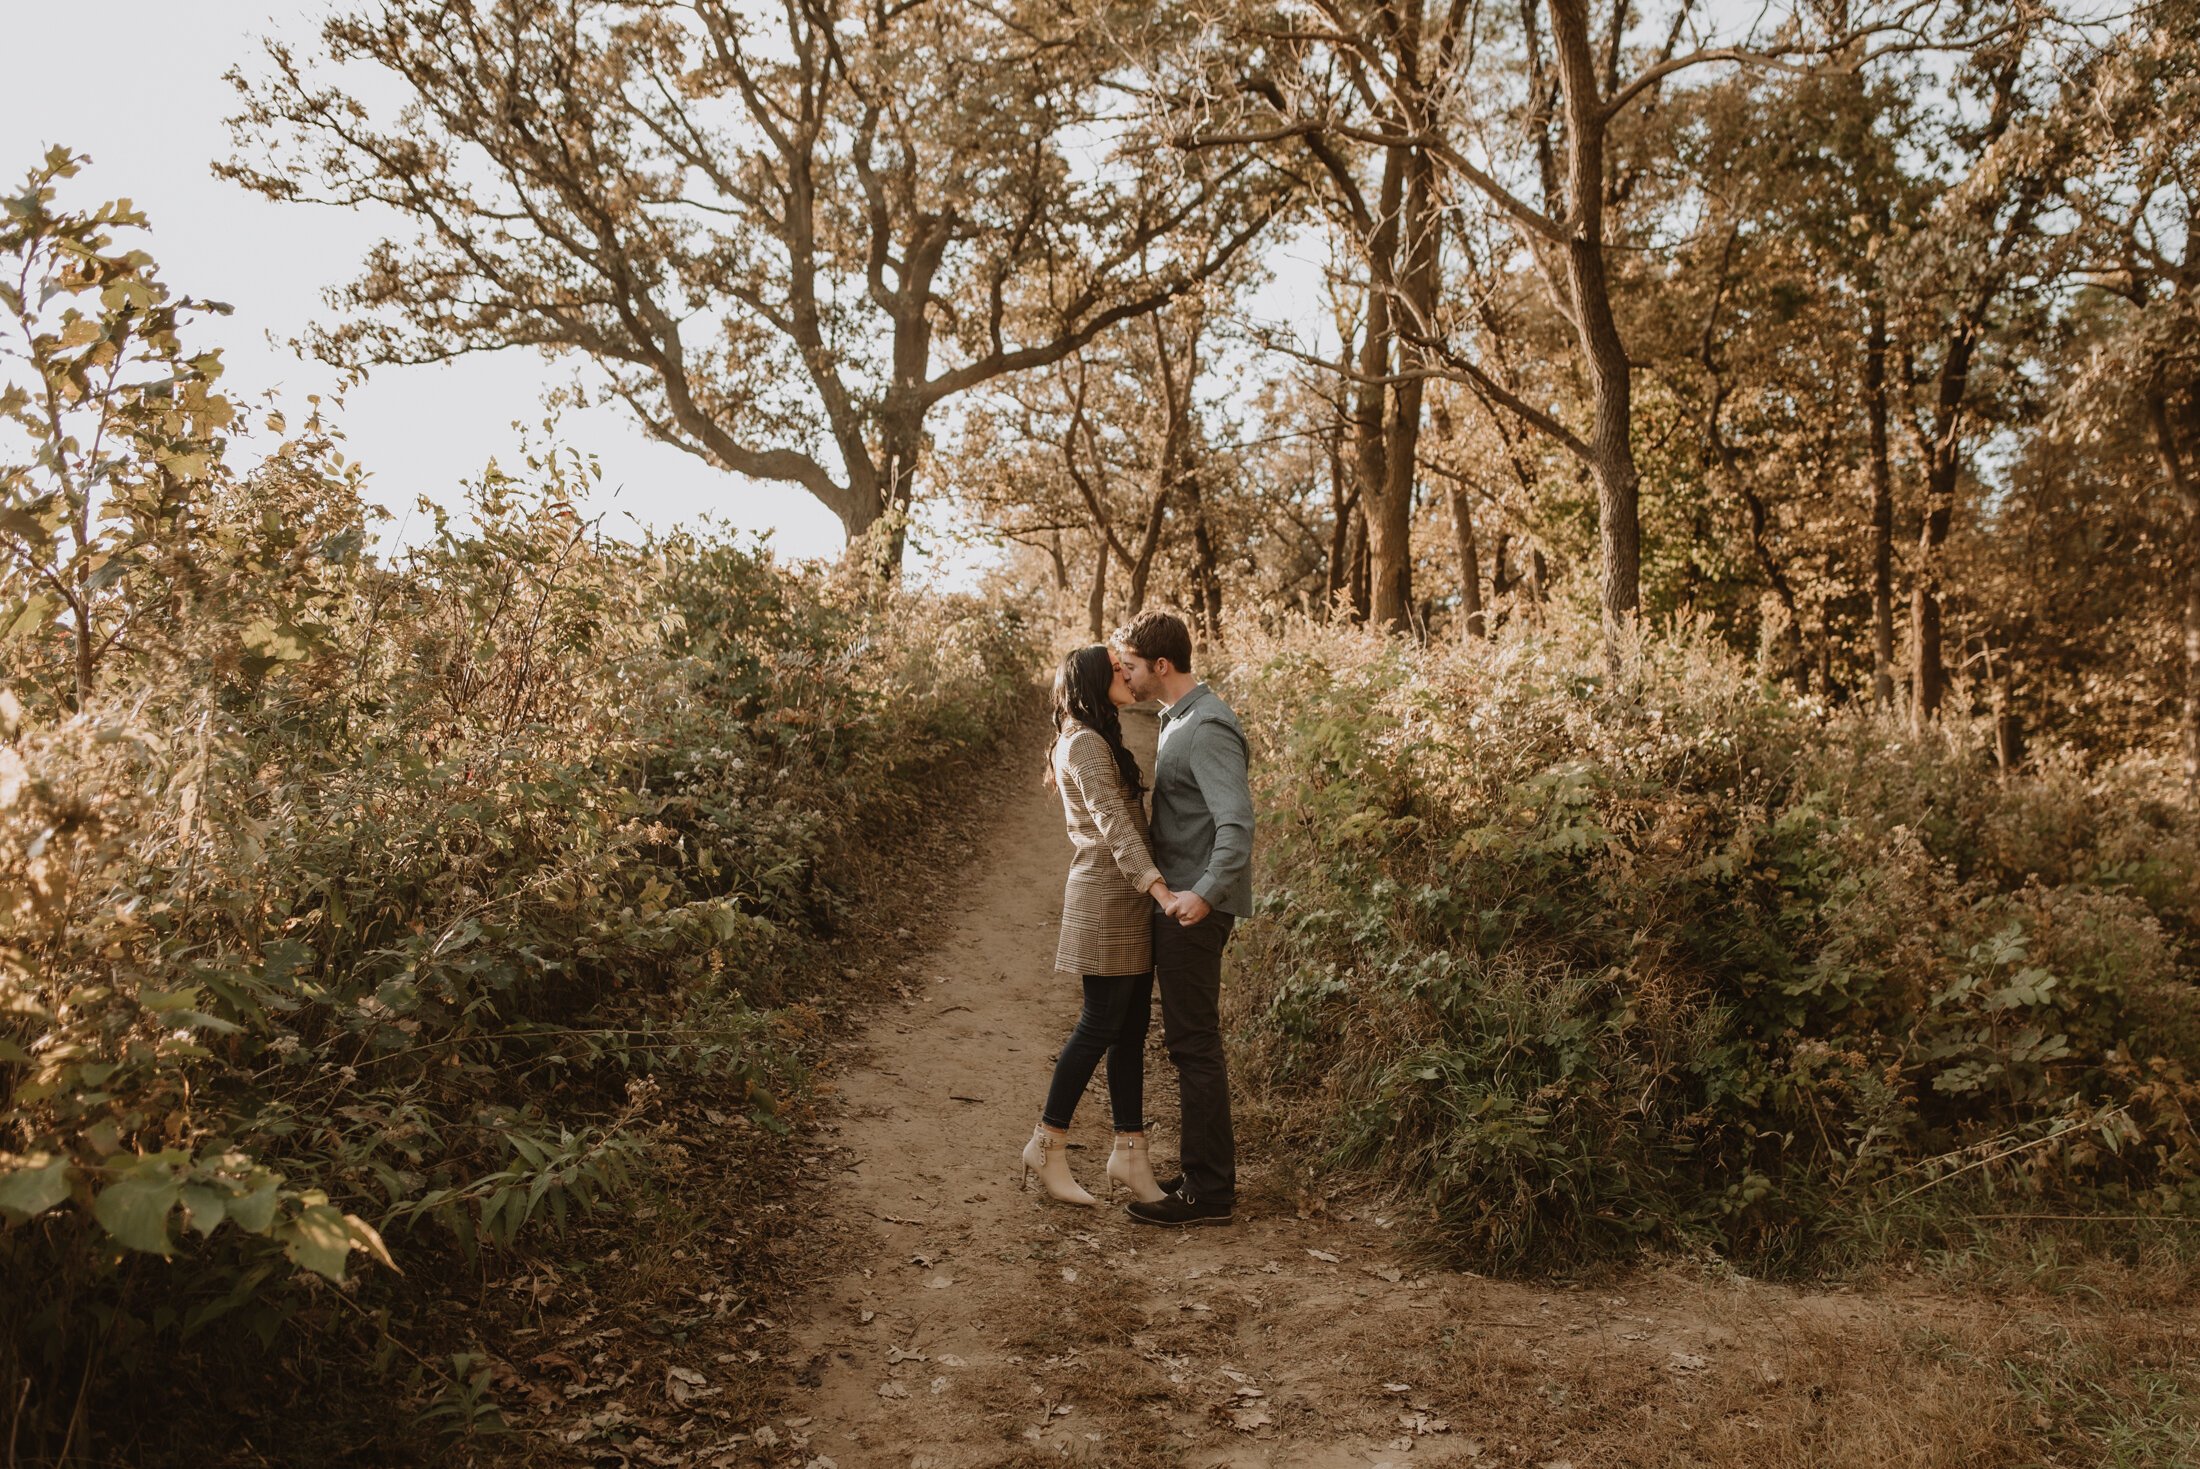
(1157, 881)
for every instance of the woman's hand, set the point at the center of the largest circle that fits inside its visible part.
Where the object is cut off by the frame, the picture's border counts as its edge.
(1048, 779)
(1158, 889)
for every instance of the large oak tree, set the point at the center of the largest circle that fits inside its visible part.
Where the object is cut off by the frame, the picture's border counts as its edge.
(784, 235)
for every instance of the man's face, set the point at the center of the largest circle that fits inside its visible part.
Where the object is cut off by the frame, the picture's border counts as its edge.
(1144, 679)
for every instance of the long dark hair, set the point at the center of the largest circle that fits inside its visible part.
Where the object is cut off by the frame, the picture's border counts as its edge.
(1081, 693)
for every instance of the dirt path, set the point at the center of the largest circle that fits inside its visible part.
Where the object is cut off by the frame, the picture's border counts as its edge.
(978, 1324)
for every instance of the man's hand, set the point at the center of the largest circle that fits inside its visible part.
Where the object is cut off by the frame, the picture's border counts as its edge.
(1188, 909)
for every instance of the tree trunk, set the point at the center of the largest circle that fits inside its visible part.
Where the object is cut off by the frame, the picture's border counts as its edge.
(2171, 453)
(1096, 601)
(1419, 230)
(1619, 529)
(1928, 674)
(1943, 468)
(1342, 503)
(1358, 562)
(1061, 567)
(1882, 518)
(1472, 624)
(1206, 580)
(1149, 540)
(878, 524)
(1372, 402)
(81, 654)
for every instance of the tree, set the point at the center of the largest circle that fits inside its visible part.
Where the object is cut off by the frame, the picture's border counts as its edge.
(1578, 87)
(1979, 243)
(784, 236)
(1346, 94)
(2136, 208)
(1109, 445)
(122, 422)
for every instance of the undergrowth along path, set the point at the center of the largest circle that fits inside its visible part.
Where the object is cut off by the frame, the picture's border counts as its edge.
(971, 1323)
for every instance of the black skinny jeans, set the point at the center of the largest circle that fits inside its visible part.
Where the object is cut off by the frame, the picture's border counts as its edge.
(1113, 1023)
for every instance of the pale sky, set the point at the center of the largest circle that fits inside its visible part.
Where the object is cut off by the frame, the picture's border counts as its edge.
(137, 85)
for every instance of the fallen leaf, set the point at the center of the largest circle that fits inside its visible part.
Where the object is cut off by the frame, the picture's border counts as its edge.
(892, 1389)
(561, 1360)
(1323, 1255)
(1069, 1275)
(1688, 1362)
(939, 1385)
(1245, 1420)
(938, 1282)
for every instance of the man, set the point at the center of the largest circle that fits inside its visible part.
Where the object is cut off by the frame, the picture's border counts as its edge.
(1203, 843)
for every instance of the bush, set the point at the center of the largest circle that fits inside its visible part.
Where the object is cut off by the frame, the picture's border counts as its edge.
(355, 904)
(377, 900)
(1681, 959)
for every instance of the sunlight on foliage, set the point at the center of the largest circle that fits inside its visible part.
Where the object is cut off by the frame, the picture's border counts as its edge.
(1687, 959)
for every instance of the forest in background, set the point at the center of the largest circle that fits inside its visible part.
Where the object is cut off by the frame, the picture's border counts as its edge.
(1864, 330)
(1717, 614)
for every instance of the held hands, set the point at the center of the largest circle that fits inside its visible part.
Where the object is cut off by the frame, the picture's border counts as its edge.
(1186, 908)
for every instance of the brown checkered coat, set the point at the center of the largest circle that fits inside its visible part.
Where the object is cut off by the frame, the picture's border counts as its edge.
(1106, 913)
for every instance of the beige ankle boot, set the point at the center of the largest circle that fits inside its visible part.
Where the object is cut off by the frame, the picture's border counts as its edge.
(1129, 1167)
(1045, 1156)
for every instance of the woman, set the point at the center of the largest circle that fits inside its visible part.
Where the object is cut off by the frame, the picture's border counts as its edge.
(1107, 934)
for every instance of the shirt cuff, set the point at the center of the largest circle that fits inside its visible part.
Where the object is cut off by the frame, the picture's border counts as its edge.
(1147, 879)
(1207, 887)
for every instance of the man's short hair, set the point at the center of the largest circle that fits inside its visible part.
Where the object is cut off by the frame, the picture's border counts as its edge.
(1154, 635)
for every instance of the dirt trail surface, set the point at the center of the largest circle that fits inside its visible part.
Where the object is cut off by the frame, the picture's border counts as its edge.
(975, 1323)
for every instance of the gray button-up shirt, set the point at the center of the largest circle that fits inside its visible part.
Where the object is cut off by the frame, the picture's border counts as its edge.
(1203, 803)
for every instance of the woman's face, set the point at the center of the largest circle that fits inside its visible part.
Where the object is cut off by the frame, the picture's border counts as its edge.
(1119, 687)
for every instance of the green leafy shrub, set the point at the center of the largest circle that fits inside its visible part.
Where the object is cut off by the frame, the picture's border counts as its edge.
(357, 903)
(1683, 959)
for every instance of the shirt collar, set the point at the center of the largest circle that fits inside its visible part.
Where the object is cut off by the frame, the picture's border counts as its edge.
(1192, 696)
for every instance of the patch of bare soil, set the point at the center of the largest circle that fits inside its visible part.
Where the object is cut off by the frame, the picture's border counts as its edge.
(965, 1322)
